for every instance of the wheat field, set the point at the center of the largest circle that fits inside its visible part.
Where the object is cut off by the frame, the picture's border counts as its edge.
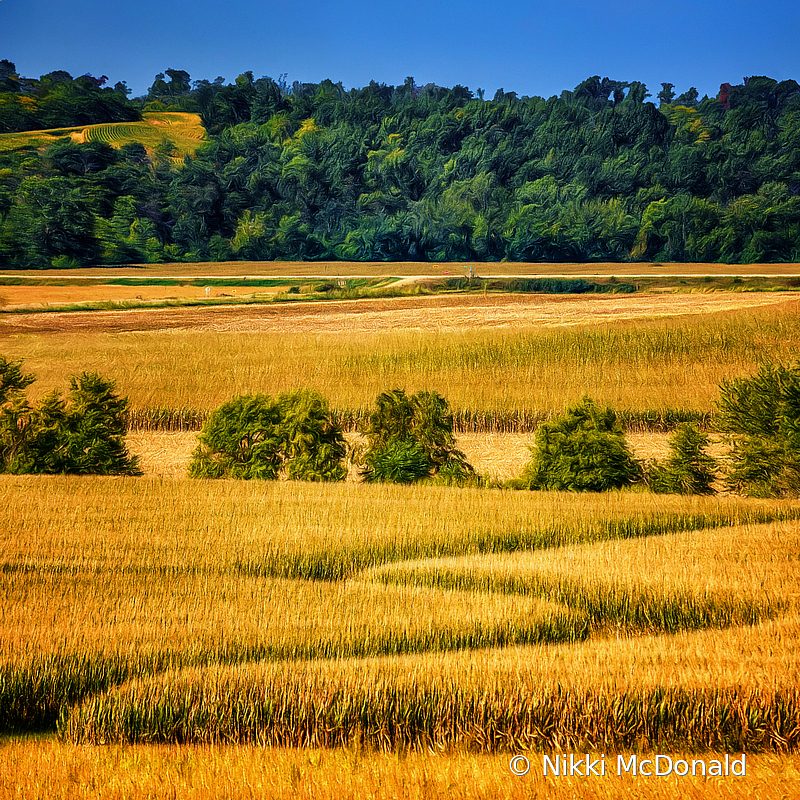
(282, 639)
(163, 359)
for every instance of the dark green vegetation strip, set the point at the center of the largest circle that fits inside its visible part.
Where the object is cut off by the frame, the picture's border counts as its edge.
(405, 173)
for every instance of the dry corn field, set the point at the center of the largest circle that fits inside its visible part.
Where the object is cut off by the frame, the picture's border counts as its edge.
(149, 609)
(496, 355)
(282, 639)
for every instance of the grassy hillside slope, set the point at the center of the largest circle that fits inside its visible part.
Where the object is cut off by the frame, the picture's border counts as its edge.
(182, 130)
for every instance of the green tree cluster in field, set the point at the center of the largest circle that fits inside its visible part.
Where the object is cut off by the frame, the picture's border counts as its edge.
(584, 449)
(295, 435)
(409, 438)
(82, 435)
(257, 436)
(314, 171)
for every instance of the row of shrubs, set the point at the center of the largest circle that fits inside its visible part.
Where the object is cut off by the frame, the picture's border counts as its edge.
(410, 438)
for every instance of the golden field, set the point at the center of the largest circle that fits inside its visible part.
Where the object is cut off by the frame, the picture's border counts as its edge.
(496, 354)
(109, 579)
(282, 639)
(47, 771)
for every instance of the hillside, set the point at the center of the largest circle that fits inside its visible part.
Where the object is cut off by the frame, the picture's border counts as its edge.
(182, 130)
(420, 174)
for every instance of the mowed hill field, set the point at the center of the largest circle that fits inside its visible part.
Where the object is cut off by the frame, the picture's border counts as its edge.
(192, 638)
(182, 130)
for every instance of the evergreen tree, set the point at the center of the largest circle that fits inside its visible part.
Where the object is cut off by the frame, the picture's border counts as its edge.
(82, 435)
(761, 415)
(689, 469)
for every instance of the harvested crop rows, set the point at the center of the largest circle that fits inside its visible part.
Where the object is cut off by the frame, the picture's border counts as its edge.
(183, 130)
(141, 587)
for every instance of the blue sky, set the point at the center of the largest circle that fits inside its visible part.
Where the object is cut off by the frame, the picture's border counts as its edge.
(533, 48)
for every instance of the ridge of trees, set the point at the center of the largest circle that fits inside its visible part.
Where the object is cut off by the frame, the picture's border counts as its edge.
(314, 171)
(57, 100)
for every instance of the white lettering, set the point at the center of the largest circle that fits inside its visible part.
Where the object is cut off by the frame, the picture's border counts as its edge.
(623, 767)
(590, 766)
(739, 762)
(702, 767)
(659, 770)
(575, 766)
(556, 768)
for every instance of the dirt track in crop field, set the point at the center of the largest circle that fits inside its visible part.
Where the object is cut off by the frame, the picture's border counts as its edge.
(436, 312)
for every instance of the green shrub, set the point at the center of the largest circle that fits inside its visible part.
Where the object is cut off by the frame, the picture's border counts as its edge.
(12, 379)
(81, 435)
(314, 447)
(689, 469)
(410, 438)
(398, 461)
(761, 415)
(582, 450)
(257, 436)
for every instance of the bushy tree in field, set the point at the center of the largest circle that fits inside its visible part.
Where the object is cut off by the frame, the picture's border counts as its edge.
(689, 469)
(94, 433)
(314, 448)
(12, 379)
(410, 437)
(761, 415)
(258, 436)
(82, 434)
(583, 450)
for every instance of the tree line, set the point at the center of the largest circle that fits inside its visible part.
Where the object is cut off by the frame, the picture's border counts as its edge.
(410, 438)
(314, 171)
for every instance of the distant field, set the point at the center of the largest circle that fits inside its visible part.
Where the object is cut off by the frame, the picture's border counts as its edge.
(35, 296)
(328, 269)
(497, 353)
(181, 129)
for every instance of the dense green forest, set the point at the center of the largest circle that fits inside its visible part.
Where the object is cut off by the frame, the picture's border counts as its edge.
(314, 171)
